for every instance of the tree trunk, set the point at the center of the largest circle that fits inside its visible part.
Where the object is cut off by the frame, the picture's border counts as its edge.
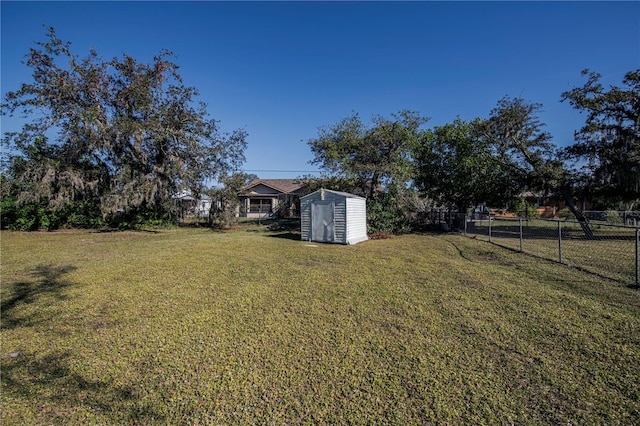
(582, 220)
(374, 185)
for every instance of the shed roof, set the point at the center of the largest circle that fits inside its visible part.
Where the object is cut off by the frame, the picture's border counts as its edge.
(344, 194)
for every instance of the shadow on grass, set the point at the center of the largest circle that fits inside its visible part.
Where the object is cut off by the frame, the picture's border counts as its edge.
(47, 281)
(611, 294)
(285, 228)
(60, 391)
(287, 235)
(50, 378)
(546, 233)
(285, 225)
(116, 230)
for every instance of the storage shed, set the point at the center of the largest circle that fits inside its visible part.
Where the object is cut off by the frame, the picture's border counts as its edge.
(333, 217)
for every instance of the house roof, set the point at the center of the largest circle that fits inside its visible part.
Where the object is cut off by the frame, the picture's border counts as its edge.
(285, 186)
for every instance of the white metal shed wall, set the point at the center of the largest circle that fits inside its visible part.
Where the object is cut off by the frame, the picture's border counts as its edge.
(305, 218)
(350, 217)
(356, 220)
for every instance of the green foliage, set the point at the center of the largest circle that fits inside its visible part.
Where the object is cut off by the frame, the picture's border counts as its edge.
(455, 166)
(379, 154)
(385, 214)
(141, 218)
(523, 209)
(129, 135)
(614, 217)
(374, 161)
(32, 216)
(8, 212)
(19, 218)
(566, 214)
(27, 216)
(522, 147)
(225, 200)
(610, 139)
(83, 214)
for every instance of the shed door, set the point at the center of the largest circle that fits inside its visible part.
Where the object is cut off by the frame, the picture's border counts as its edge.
(322, 228)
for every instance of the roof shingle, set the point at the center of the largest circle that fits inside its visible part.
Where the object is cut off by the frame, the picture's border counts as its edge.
(286, 186)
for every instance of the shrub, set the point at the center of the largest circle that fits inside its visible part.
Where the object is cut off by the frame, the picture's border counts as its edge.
(522, 209)
(565, 214)
(613, 217)
(385, 215)
(20, 217)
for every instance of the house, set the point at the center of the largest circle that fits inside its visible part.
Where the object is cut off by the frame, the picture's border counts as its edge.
(270, 197)
(203, 206)
(333, 217)
(191, 206)
(548, 207)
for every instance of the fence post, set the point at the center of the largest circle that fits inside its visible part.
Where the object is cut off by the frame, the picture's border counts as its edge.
(464, 217)
(637, 244)
(520, 220)
(489, 227)
(560, 241)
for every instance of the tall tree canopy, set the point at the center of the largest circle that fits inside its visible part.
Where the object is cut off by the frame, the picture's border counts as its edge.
(378, 155)
(377, 159)
(488, 160)
(610, 139)
(127, 134)
(459, 169)
(521, 145)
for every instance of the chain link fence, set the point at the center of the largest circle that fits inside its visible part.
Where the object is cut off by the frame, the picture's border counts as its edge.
(608, 250)
(614, 217)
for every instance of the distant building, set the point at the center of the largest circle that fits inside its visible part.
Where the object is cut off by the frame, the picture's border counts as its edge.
(192, 206)
(271, 197)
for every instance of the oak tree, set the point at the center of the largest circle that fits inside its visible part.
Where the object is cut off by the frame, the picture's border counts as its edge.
(458, 168)
(378, 155)
(610, 139)
(126, 134)
(377, 158)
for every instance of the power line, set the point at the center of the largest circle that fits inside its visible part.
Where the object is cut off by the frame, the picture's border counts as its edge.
(283, 171)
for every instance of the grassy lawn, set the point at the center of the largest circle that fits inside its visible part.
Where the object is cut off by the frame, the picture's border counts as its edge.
(192, 326)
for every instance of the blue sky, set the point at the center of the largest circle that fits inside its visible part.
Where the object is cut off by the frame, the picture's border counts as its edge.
(280, 70)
